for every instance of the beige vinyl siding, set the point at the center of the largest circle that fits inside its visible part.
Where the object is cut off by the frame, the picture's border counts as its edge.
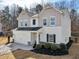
(47, 13)
(24, 17)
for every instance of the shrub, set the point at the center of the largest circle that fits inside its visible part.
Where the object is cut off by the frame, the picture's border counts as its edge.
(63, 49)
(51, 49)
(69, 44)
(42, 46)
(48, 45)
(38, 46)
(54, 47)
(63, 46)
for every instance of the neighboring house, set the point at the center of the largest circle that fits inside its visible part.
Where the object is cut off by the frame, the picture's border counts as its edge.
(50, 25)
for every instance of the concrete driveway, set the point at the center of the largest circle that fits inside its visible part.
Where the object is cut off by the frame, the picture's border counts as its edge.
(26, 54)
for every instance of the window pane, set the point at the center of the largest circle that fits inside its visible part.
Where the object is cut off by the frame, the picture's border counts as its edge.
(34, 22)
(52, 38)
(52, 23)
(21, 23)
(25, 24)
(52, 20)
(44, 22)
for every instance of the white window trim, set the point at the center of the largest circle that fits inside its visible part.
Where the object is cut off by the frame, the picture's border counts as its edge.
(33, 21)
(50, 21)
(23, 22)
(49, 39)
(36, 25)
(46, 21)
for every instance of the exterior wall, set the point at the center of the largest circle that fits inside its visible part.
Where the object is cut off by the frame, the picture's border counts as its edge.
(66, 26)
(62, 28)
(49, 30)
(47, 13)
(36, 22)
(24, 17)
(22, 37)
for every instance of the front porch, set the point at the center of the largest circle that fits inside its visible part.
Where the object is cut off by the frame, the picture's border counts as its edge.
(39, 37)
(35, 38)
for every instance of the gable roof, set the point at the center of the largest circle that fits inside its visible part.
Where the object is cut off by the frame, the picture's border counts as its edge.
(29, 28)
(24, 12)
(46, 7)
(36, 15)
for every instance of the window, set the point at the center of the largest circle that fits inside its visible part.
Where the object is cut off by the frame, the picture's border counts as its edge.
(44, 22)
(52, 21)
(25, 23)
(34, 21)
(21, 23)
(51, 38)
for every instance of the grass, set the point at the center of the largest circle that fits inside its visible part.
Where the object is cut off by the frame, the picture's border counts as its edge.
(8, 56)
(3, 40)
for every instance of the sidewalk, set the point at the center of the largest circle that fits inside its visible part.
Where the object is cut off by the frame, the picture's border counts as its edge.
(15, 46)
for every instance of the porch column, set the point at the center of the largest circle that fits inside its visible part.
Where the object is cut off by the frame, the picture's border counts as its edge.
(37, 38)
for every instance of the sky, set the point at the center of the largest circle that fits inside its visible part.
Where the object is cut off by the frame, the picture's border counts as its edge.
(27, 3)
(22, 3)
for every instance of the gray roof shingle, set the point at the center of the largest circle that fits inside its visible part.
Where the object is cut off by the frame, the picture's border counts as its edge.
(29, 28)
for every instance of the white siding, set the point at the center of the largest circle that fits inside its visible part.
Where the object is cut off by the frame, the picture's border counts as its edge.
(66, 26)
(51, 30)
(22, 37)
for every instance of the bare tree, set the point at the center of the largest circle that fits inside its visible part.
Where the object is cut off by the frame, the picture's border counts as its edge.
(73, 16)
(39, 8)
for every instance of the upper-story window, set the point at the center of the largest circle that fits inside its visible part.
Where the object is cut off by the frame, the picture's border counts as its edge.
(34, 22)
(44, 22)
(25, 23)
(52, 21)
(21, 23)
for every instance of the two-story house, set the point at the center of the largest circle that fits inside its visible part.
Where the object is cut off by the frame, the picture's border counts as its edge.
(50, 25)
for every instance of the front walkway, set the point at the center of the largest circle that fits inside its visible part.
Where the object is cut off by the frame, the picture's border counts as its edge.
(15, 46)
(6, 51)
